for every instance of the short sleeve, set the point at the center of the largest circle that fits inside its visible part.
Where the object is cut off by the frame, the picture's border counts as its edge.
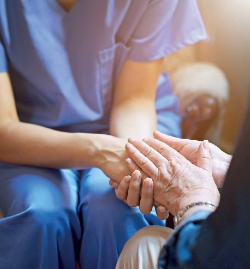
(3, 60)
(166, 26)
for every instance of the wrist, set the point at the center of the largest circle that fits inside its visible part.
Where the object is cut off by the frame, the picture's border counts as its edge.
(85, 150)
(107, 148)
(96, 144)
(207, 195)
(192, 208)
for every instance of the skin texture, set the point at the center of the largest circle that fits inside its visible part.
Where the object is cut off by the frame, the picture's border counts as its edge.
(176, 181)
(189, 149)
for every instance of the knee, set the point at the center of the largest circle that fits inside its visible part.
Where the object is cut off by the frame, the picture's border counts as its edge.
(148, 240)
(47, 209)
(47, 216)
(142, 250)
(51, 211)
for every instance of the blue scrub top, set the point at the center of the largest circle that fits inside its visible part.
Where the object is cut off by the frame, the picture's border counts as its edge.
(63, 66)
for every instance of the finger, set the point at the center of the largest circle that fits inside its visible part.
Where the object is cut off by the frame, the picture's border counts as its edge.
(114, 183)
(204, 158)
(134, 190)
(144, 163)
(132, 166)
(188, 148)
(164, 151)
(162, 212)
(174, 142)
(122, 190)
(147, 201)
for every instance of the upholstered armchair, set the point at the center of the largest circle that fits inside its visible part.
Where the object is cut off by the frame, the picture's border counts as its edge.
(203, 91)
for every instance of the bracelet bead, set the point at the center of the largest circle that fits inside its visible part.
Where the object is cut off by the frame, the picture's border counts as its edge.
(180, 214)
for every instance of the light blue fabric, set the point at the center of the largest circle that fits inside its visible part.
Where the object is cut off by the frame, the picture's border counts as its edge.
(167, 108)
(108, 222)
(52, 215)
(41, 228)
(63, 67)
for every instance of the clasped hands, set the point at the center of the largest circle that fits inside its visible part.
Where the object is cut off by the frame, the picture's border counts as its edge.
(170, 173)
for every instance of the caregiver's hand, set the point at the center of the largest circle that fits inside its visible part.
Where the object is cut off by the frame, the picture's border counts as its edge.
(110, 156)
(136, 191)
(189, 149)
(176, 181)
(129, 190)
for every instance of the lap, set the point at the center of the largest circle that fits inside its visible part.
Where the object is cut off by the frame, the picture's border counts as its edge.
(23, 187)
(143, 249)
(98, 196)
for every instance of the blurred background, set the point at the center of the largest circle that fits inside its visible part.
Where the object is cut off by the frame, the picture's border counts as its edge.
(227, 23)
(228, 47)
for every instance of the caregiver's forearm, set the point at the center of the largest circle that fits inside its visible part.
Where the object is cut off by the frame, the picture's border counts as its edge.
(29, 144)
(134, 119)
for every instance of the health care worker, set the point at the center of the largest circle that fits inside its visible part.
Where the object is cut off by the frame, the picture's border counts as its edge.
(76, 80)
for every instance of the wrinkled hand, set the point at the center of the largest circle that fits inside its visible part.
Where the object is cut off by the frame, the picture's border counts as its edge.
(189, 149)
(176, 181)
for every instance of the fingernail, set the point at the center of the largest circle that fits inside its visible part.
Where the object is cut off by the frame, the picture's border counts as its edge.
(148, 183)
(128, 160)
(137, 172)
(128, 145)
(127, 178)
(205, 144)
(162, 209)
(137, 175)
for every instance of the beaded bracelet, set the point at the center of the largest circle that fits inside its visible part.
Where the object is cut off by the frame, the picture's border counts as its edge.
(180, 214)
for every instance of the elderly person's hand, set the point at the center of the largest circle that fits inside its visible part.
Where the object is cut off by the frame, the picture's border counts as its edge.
(176, 181)
(189, 149)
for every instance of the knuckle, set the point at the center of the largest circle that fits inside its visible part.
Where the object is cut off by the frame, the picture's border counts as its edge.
(161, 149)
(149, 153)
(175, 164)
(143, 162)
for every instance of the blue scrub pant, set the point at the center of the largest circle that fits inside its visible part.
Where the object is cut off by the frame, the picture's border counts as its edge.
(54, 217)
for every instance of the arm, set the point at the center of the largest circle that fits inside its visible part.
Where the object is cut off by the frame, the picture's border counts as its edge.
(183, 240)
(133, 113)
(29, 144)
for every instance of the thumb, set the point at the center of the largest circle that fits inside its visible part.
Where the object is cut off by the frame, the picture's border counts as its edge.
(204, 158)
